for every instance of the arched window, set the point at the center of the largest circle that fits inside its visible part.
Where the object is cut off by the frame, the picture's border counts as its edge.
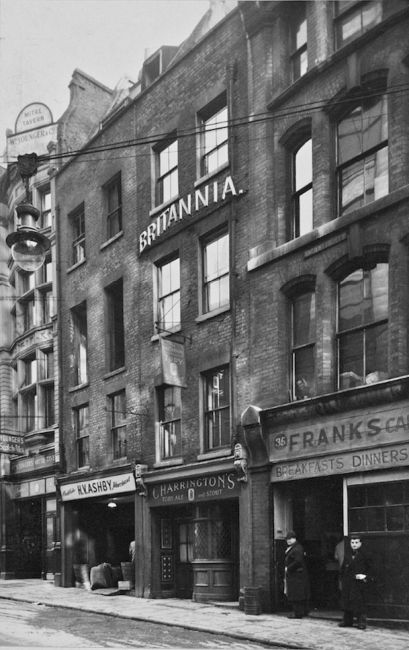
(302, 189)
(303, 345)
(362, 139)
(363, 327)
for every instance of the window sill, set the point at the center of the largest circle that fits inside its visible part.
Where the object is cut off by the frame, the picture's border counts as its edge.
(160, 208)
(261, 255)
(76, 265)
(207, 177)
(156, 337)
(78, 387)
(168, 463)
(223, 452)
(212, 314)
(113, 373)
(110, 241)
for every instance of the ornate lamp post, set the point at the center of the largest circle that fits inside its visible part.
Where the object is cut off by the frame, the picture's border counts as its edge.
(28, 245)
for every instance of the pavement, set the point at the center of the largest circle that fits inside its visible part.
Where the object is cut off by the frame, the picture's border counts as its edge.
(312, 633)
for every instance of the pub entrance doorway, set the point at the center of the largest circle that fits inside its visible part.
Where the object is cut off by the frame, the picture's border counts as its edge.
(313, 508)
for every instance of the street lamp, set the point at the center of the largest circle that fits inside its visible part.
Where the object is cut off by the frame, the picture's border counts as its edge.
(28, 246)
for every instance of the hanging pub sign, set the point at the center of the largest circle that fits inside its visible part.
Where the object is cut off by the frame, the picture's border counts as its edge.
(11, 444)
(34, 130)
(173, 364)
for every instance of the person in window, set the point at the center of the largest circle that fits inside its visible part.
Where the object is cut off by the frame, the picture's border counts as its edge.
(302, 388)
(296, 580)
(355, 574)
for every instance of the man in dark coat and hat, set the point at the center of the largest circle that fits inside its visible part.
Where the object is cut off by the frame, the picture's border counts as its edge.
(296, 581)
(355, 573)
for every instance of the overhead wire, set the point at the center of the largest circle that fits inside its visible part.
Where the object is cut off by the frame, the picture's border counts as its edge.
(253, 119)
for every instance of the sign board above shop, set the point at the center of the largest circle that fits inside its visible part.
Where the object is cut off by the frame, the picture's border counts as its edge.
(359, 461)
(332, 435)
(98, 487)
(194, 489)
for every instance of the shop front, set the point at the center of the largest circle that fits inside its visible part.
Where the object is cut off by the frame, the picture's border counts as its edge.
(98, 525)
(195, 537)
(335, 473)
(30, 535)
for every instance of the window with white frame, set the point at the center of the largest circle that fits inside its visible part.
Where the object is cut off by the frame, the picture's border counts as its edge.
(363, 327)
(298, 36)
(168, 309)
(216, 277)
(302, 190)
(113, 206)
(117, 423)
(77, 219)
(216, 408)
(354, 18)
(28, 408)
(167, 183)
(363, 164)
(170, 410)
(79, 344)
(303, 345)
(214, 136)
(80, 424)
(45, 208)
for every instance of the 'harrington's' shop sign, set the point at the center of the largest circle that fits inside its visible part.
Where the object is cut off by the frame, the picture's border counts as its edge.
(195, 488)
(98, 487)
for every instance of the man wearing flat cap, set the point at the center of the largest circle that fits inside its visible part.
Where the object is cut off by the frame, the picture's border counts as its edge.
(355, 573)
(296, 581)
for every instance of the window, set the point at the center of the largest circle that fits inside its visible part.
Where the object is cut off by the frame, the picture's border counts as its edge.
(117, 416)
(379, 507)
(46, 364)
(80, 424)
(28, 408)
(302, 190)
(167, 185)
(168, 315)
(216, 293)
(115, 323)
(45, 209)
(27, 282)
(354, 18)
(214, 136)
(79, 344)
(363, 154)
(170, 408)
(114, 207)
(363, 327)
(46, 272)
(46, 306)
(303, 346)
(28, 308)
(49, 413)
(217, 409)
(78, 235)
(30, 371)
(299, 59)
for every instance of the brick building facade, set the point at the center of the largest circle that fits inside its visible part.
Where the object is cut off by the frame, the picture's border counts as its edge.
(233, 317)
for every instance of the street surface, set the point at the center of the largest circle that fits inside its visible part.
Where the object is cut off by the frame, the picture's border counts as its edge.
(38, 626)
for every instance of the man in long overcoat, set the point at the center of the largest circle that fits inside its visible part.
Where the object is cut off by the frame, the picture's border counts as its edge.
(296, 580)
(355, 573)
